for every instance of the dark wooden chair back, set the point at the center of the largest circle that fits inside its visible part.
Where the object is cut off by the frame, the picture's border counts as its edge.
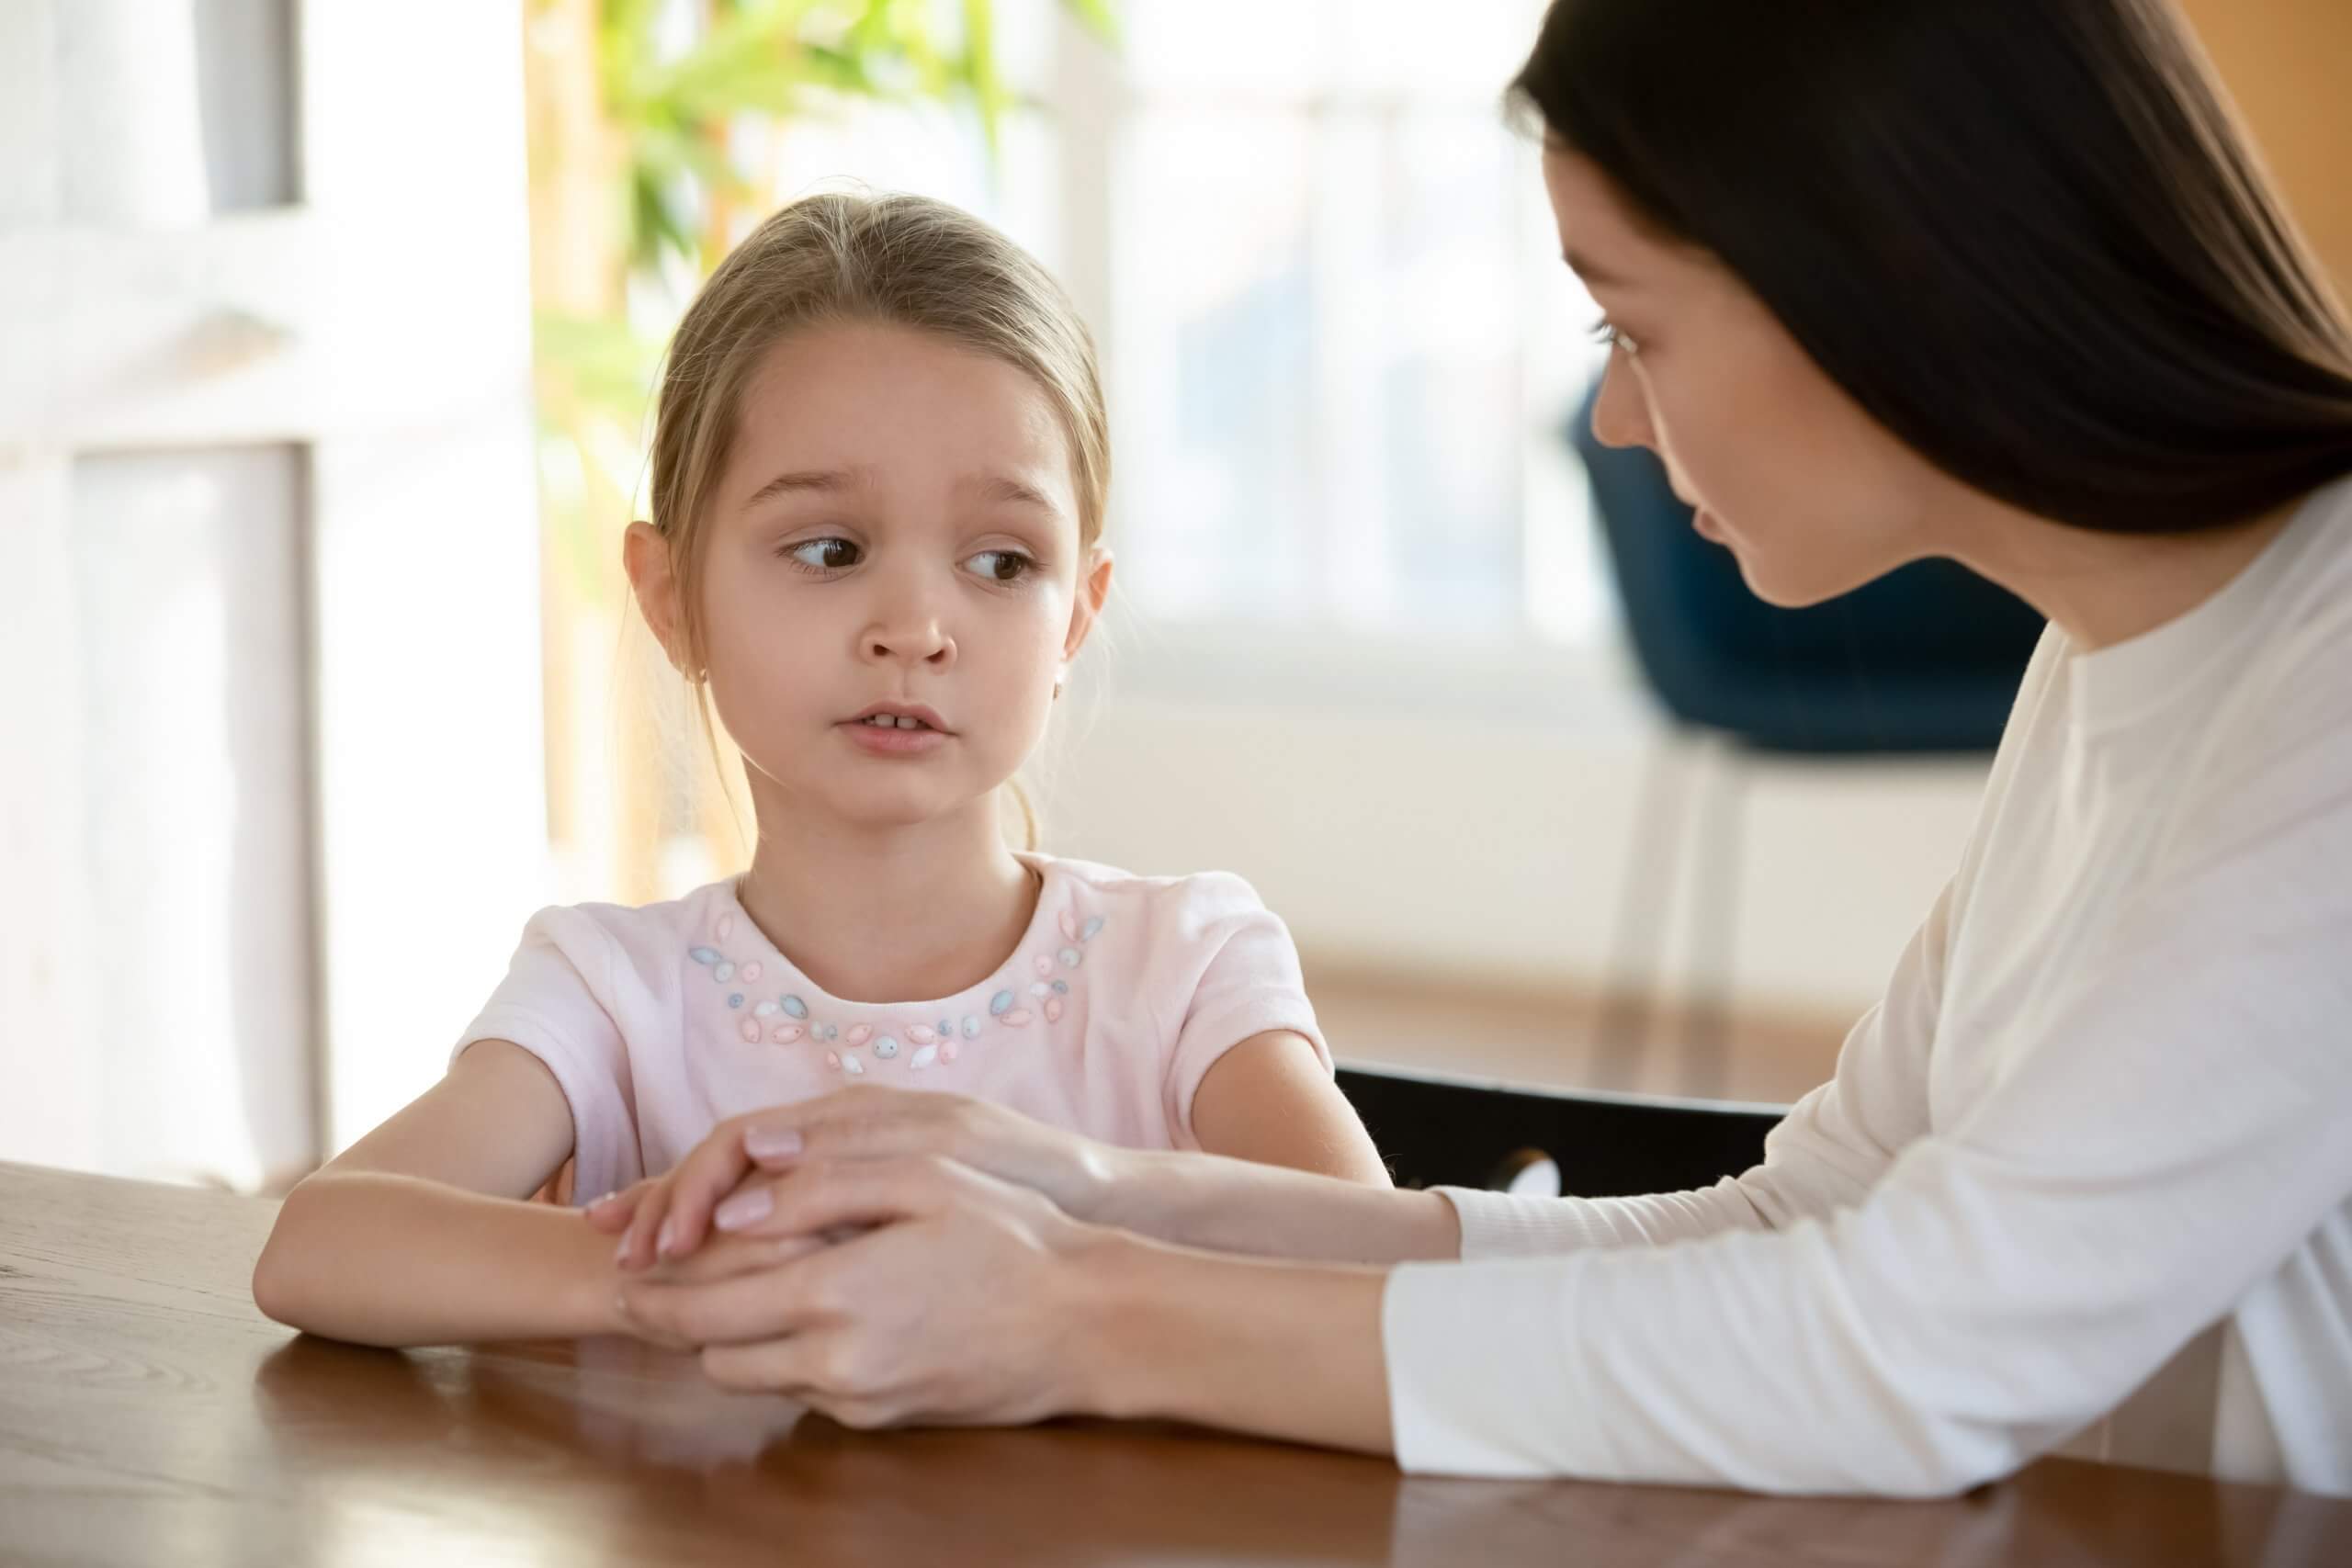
(1441, 1131)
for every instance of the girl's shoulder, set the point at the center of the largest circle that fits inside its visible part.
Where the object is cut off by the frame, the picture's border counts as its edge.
(646, 943)
(1086, 897)
(1092, 880)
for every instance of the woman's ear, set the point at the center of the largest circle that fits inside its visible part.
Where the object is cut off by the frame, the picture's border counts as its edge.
(1093, 589)
(646, 556)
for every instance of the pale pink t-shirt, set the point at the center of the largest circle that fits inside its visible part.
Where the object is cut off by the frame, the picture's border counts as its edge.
(662, 1021)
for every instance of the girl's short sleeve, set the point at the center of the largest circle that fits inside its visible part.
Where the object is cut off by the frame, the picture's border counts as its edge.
(1235, 960)
(559, 1002)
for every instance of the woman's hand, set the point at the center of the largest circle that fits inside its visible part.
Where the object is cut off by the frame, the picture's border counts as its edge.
(954, 1299)
(669, 1215)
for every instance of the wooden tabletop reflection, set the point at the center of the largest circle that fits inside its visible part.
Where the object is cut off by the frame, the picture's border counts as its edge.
(149, 1415)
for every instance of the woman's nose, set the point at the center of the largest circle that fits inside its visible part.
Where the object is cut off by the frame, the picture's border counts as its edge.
(1621, 415)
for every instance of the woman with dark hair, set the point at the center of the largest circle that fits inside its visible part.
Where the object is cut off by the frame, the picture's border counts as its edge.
(1997, 281)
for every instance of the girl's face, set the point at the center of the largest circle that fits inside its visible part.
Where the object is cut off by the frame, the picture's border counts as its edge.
(1811, 494)
(895, 532)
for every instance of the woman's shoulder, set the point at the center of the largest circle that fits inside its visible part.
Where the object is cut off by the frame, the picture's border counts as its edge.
(2312, 576)
(2291, 689)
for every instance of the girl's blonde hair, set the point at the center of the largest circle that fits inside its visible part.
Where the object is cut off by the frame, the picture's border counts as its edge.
(849, 258)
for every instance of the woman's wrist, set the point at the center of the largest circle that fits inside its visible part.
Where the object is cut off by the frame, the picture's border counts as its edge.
(1284, 1351)
(1105, 1311)
(1127, 1189)
(1229, 1205)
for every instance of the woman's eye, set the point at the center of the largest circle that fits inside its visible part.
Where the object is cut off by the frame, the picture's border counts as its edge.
(1001, 566)
(1605, 331)
(824, 554)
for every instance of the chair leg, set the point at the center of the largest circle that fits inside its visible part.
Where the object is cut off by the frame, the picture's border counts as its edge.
(1645, 897)
(1721, 816)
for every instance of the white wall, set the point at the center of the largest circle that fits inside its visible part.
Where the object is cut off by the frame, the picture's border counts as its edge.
(1488, 846)
(270, 739)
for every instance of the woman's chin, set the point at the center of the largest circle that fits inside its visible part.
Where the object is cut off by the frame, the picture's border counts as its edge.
(1790, 589)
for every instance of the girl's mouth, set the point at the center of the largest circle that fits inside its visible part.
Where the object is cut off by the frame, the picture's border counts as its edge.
(896, 734)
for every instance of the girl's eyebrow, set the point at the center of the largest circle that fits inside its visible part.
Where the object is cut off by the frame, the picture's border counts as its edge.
(827, 482)
(1005, 488)
(819, 480)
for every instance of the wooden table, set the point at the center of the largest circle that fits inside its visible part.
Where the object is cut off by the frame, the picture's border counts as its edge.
(149, 1415)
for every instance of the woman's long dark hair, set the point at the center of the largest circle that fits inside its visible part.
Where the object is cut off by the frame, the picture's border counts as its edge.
(2028, 236)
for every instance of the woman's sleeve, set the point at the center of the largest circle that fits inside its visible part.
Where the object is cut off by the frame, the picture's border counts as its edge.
(2165, 1136)
(1834, 1145)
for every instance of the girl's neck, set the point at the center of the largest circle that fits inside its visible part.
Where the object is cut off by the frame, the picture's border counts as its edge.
(890, 915)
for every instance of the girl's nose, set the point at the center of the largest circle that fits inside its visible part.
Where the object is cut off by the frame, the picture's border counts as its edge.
(910, 632)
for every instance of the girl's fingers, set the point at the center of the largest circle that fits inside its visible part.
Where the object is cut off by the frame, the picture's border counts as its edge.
(767, 1304)
(612, 1213)
(639, 1246)
(729, 1257)
(703, 1178)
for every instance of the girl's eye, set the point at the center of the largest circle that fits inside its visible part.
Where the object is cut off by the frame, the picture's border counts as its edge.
(1607, 331)
(824, 555)
(1001, 566)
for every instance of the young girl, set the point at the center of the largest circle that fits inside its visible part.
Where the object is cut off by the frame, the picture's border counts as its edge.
(878, 487)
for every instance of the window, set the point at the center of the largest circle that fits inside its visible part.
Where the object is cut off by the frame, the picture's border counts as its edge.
(1343, 347)
(1340, 346)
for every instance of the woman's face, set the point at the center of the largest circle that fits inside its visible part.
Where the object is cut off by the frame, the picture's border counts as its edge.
(1810, 493)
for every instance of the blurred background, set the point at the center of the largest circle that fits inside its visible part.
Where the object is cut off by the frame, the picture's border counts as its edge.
(327, 338)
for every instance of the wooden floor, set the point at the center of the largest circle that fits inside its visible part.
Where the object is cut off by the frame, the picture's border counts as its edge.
(1571, 1040)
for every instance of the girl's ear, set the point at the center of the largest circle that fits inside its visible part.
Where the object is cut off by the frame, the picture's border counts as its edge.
(646, 556)
(1093, 588)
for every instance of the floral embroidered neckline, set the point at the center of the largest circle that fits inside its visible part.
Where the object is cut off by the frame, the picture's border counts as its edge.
(916, 1040)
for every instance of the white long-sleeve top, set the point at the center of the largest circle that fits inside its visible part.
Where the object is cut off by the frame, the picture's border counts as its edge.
(2103, 1110)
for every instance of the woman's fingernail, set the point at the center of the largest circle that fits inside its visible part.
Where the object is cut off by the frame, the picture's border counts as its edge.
(600, 1202)
(772, 1143)
(620, 1253)
(743, 1209)
(663, 1242)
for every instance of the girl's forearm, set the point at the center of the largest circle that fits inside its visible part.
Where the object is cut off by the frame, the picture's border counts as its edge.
(396, 1261)
(1231, 1205)
(1284, 1351)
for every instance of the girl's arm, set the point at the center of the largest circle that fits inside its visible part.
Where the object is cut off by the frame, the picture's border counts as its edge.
(1270, 1101)
(419, 1234)
(1196, 1200)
